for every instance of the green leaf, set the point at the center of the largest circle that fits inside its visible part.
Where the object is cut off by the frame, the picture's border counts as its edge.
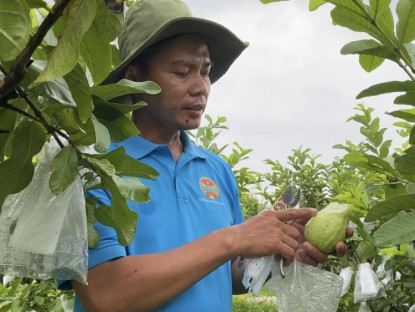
(57, 90)
(14, 28)
(370, 47)
(397, 230)
(132, 189)
(97, 55)
(79, 88)
(406, 166)
(391, 207)
(107, 24)
(103, 165)
(93, 235)
(349, 15)
(405, 28)
(79, 17)
(102, 136)
(405, 114)
(16, 174)
(384, 149)
(387, 87)
(408, 98)
(119, 126)
(118, 216)
(369, 162)
(381, 13)
(128, 166)
(370, 63)
(86, 136)
(124, 87)
(28, 141)
(64, 170)
(315, 4)
(127, 108)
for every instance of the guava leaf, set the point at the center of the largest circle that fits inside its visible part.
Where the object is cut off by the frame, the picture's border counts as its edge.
(97, 55)
(349, 15)
(119, 126)
(102, 136)
(370, 47)
(107, 24)
(390, 207)
(104, 166)
(315, 4)
(387, 87)
(64, 170)
(17, 171)
(14, 28)
(123, 87)
(132, 189)
(397, 230)
(118, 216)
(129, 166)
(79, 88)
(405, 28)
(79, 17)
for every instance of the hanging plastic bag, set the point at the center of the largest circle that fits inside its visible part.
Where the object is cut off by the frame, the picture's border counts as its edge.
(44, 235)
(305, 288)
(346, 274)
(256, 272)
(367, 284)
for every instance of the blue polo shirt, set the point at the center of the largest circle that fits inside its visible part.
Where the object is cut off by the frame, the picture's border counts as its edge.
(191, 198)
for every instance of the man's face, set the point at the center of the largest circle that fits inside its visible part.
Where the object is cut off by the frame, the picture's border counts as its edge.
(181, 68)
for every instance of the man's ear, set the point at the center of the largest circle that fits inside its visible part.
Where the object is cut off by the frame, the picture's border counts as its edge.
(132, 73)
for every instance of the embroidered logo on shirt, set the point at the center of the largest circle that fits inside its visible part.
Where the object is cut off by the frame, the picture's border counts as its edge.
(209, 187)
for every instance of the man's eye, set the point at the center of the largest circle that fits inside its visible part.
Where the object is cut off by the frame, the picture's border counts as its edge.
(181, 73)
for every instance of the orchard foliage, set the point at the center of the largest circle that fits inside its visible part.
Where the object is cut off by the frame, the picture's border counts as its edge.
(383, 191)
(53, 57)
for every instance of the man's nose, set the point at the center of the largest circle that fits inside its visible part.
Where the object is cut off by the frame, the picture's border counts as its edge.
(200, 85)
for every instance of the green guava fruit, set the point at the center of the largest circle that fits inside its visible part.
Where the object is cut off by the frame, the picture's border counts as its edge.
(328, 227)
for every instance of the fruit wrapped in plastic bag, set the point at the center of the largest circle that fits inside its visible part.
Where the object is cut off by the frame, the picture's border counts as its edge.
(43, 235)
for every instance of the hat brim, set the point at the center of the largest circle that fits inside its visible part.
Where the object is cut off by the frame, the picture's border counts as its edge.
(224, 46)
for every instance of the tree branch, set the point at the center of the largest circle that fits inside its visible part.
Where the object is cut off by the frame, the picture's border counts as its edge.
(18, 71)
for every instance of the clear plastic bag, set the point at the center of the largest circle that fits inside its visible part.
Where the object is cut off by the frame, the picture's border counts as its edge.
(367, 284)
(256, 272)
(305, 288)
(346, 274)
(43, 235)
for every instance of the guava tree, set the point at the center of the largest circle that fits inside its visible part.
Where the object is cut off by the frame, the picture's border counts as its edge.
(53, 56)
(383, 197)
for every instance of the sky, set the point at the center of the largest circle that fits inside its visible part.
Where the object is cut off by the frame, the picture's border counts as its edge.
(291, 87)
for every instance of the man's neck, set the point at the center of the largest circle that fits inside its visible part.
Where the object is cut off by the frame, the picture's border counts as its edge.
(174, 142)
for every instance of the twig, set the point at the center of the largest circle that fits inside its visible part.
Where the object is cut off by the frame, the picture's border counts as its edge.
(18, 70)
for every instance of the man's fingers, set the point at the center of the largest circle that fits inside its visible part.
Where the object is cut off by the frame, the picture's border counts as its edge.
(294, 214)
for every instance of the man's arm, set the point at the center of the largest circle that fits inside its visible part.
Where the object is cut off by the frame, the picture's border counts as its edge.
(145, 282)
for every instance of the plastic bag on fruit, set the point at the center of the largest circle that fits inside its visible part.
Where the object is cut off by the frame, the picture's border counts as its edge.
(367, 284)
(43, 235)
(305, 288)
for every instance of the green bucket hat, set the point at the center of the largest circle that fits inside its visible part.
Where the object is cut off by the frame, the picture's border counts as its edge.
(150, 21)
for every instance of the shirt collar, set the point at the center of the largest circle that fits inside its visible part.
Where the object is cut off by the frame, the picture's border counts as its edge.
(139, 147)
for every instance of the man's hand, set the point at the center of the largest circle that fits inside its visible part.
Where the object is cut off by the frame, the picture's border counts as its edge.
(268, 233)
(311, 255)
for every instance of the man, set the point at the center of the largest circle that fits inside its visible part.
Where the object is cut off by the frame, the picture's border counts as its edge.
(190, 235)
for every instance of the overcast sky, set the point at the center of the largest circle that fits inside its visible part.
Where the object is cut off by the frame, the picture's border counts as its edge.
(291, 87)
